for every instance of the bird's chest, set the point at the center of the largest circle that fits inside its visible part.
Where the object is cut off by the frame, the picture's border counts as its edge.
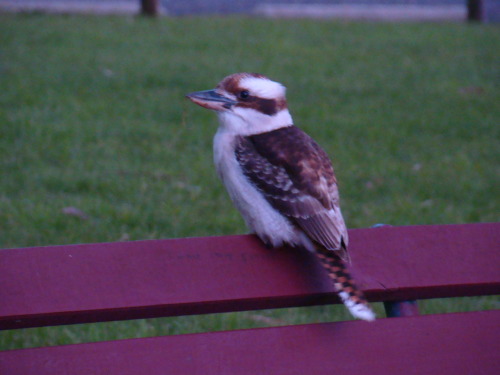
(255, 209)
(242, 192)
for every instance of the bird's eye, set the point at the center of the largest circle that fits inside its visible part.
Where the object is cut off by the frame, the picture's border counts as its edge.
(244, 94)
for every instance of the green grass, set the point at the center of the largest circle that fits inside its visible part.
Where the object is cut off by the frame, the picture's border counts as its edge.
(93, 116)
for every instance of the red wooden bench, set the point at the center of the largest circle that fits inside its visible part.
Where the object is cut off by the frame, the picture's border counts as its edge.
(57, 285)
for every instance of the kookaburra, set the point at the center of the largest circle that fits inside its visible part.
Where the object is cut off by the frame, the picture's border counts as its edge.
(278, 177)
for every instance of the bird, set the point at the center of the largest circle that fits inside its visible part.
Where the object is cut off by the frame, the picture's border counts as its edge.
(282, 182)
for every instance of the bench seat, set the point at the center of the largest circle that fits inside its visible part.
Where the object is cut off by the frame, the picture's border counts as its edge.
(459, 343)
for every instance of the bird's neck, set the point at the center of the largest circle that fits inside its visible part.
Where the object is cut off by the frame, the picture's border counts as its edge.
(251, 123)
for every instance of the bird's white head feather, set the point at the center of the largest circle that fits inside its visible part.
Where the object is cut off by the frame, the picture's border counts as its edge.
(263, 87)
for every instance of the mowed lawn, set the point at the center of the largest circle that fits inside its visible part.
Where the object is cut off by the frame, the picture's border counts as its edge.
(98, 143)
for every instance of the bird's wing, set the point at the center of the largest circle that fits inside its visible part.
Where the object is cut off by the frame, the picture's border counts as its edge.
(297, 179)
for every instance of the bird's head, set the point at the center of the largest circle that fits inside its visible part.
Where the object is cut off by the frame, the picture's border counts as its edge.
(247, 103)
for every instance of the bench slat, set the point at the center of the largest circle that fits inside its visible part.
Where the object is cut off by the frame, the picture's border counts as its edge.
(461, 343)
(114, 281)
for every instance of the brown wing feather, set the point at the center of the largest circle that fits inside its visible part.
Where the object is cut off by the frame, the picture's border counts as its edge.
(297, 178)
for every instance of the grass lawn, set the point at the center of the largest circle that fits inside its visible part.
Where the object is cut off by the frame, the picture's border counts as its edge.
(93, 116)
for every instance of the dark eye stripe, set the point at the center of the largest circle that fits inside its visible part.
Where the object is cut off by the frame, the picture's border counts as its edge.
(266, 106)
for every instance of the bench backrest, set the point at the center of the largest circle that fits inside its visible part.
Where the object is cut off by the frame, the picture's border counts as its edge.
(56, 285)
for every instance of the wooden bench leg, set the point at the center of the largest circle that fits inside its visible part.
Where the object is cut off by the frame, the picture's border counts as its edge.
(401, 308)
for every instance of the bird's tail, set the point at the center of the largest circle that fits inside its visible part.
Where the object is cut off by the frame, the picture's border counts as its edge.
(352, 297)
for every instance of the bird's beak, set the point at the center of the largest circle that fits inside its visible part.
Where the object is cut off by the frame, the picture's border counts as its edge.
(211, 99)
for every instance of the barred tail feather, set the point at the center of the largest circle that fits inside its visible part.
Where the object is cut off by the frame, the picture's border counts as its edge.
(352, 297)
